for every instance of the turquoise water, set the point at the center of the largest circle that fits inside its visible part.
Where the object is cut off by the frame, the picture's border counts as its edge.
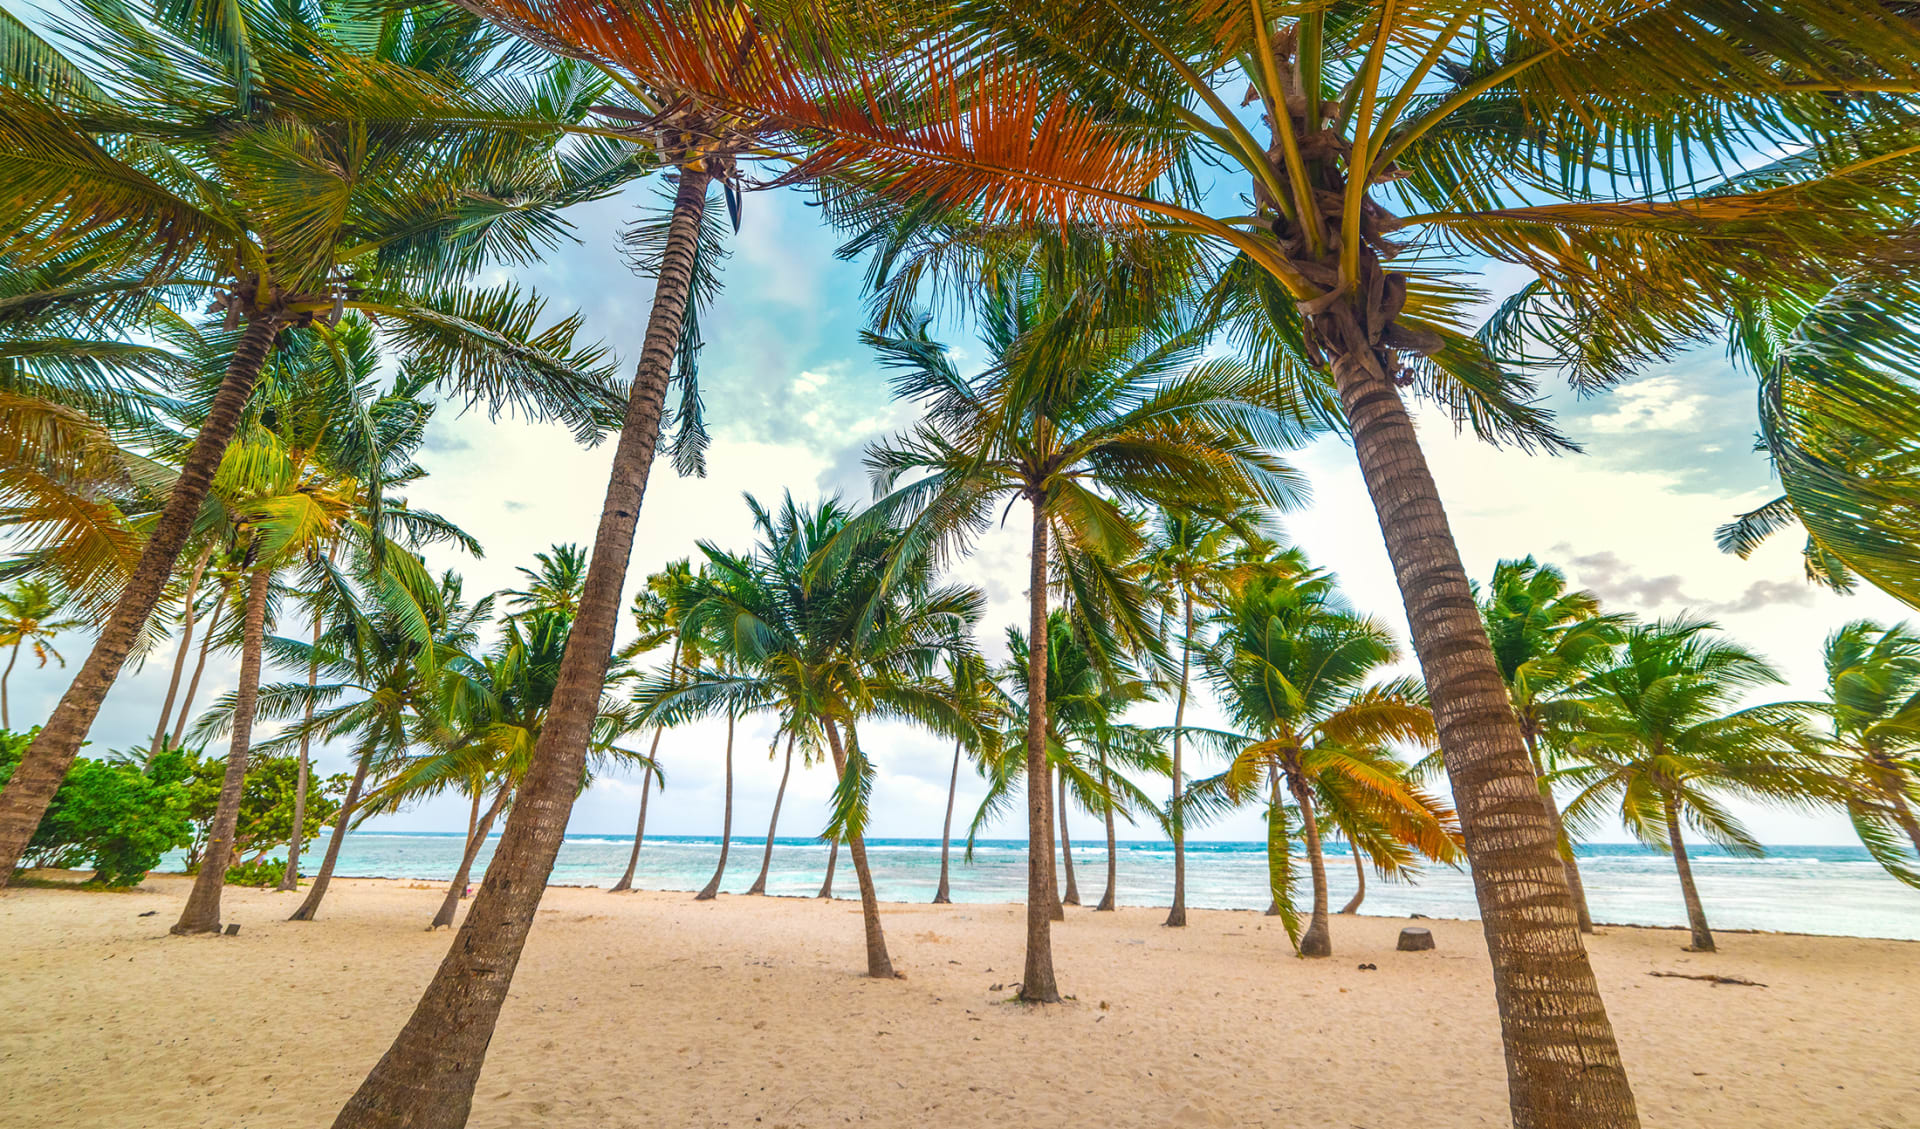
(1836, 890)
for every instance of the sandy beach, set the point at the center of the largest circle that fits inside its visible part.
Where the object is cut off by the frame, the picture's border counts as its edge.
(653, 1010)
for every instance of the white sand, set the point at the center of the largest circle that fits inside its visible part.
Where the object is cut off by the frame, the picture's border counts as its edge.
(652, 1010)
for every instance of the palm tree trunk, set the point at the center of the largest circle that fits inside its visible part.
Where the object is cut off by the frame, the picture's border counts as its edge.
(1177, 915)
(1562, 843)
(199, 667)
(457, 889)
(202, 911)
(180, 656)
(1360, 874)
(712, 889)
(942, 896)
(1696, 913)
(879, 965)
(1037, 984)
(1563, 1064)
(6, 720)
(44, 765)
(1072, 896)
(833, 859)
(426, 1079)
(290, 878)
(311, 905)
(1317, 941)
(1113, 866)
(766, 860)
(646, 786)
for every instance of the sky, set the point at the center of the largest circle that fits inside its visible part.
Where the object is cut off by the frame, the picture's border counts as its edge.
(793, 399)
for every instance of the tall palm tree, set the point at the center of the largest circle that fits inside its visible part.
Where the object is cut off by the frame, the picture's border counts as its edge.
(654, 615)
(1292, 668)
(970, 681)
(1873, 705)
(1543, 638)
(1080, 417)
(30, 612)
(1656, 738)
(168, 160)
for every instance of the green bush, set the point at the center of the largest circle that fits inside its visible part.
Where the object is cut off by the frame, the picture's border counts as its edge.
(266, 802)
(260, 872)
(109, 815)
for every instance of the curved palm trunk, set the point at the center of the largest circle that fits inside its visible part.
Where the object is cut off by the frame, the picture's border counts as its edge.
(879, 965)
(457, 889)
(311, 905)
(646, 786)
(6, 719)
(1178, 914)
(1037, 984)
(1113, 868)
(290, 878)
(1317, 941)
(1563, 1064)
(1696, 913)
(766, 859)
(179, 657)
(1562, 843)
(1360, 875)
(199, 668)
(941, 896)
(1072, 896)
(833, 860)
(426, 1079)
(712, 889)
(202, 911)
(44, 765)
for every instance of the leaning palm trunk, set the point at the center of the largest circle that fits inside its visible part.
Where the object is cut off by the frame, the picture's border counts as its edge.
(311, 905)
(1562, 843)
(1360, 875)
(199, 667)
(44, 765)
(1113, 866)
(1177, 915)
(202, 911)
(1072, 896)
(1563, 1065)
(1037, 984)
(646, 786)
(6, 718)
(833, 860)
(1696, 913)
(180, 656)
(1317, 941)
(942, 896)
(426, 1079)
(879, 965)
(766, 859)
(712, 889)
(458, 887)
(290, 877)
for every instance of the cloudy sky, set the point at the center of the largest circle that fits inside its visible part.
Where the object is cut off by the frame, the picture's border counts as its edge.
(793, 400)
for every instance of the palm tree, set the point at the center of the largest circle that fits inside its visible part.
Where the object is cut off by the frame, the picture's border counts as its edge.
(1079, 417)
(1543, 638)
(30, 613)
(1291, 668)
(779, 796)
(654, 615)
(970, 681)
(1873, 705)
(167, 167)
(1656, 738)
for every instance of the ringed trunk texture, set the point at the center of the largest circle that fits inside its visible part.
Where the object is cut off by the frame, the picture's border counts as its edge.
(833, 859)
(1113, 868)
(457, 889)
(44, 765)
(1072, 896)
(1317, 941)
(942, 896)
(202, 911)
(290, 878)
(879, 965)
(311, 905)
(426, 1078)
(1360, 875)
(1563, 1064)
(1696, 913)
(766, 859)
(1177, 915)
(646, 786)
(199, 668)
(712, 889)
(179, 657)
(1562, 843)
(1037, 984)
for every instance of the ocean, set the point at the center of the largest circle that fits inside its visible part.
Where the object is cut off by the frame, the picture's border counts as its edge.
(1833, 890)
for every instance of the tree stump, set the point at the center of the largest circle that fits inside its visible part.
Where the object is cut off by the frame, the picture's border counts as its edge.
(1414, 939)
